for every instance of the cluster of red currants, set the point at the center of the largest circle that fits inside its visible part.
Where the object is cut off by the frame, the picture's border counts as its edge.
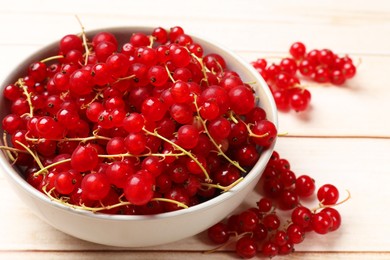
(262, 228)
(145, 127)
(321, 66)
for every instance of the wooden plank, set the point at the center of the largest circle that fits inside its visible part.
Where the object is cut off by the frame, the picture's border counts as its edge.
(260, 27)
(85, 255)
(350, 164)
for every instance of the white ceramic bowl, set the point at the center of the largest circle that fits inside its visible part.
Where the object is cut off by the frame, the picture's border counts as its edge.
(140, 231)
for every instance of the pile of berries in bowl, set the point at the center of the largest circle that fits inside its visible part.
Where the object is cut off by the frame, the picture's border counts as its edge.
(135, 136)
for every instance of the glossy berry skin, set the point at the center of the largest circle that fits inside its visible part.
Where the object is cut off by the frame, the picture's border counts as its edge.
(328, 194)
(241, 99)
(84, 158)
(299, 99)
(219, 128)
(288, 200)
(95, 186)
(135, 143)
(70, 42)
(297, 50)
(301, 216)
(153, 109)
(67, 181)
(295, 233)
(269, 249)
(246, 247)
(322, 223)
(336, 217)
(265, 132)
(104, 37)
(138, 188)
(118, 173)
(218, 233)
(188, 136)
(11, 123)
(264, 205)
(248, 221)
(304, 186)
(271, 221)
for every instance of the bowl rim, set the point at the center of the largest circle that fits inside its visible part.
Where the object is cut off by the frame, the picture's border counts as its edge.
(266, 154)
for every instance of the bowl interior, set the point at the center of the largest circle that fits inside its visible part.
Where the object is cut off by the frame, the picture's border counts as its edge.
(234, 62)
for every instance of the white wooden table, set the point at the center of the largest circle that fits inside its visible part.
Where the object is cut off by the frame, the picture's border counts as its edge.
(344, 138)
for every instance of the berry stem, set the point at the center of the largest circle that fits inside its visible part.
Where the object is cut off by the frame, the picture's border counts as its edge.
(44, 169)
(179, 204)
(11, 149)
(34, 155)
(223, 188)
(151, 39)
(232, 117)
(140, 155)
(124, 78)
(21, 84)
(220, 152)
(322, 206)
(98, 94)
(64, 201)
(169, 74)
(248, 127)
(204, 69)
(6, 148)
(52, 58)
(75, 139)
(207, 177)
(84, 37)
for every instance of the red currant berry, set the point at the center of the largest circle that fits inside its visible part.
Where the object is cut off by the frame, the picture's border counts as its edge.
(135, 143)
(265, 132)
(295, 233)
(271, 221)
(160, 35)
(297, 50)
(299, 99)
(70, 42)
(264, 205)
(322, 223)
(248, 221)
(336, 217)
(304, 186)
(349, 70)
(328, 194)
(269, 249)
(188, 136)
(218, 233)
(301, 216)
(95, 186)
(242, 99)
(138, 188)
(104, 37)
(153, 109)
(139, 40)
(246, 247)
